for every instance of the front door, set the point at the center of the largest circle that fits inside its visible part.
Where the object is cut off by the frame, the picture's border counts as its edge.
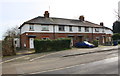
(71, 41)
(31, 42)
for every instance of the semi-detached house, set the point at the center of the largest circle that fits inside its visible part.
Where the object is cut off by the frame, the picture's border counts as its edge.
(78, 30)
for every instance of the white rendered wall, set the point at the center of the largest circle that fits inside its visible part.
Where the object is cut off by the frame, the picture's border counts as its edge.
(24, 28)
(37, 28)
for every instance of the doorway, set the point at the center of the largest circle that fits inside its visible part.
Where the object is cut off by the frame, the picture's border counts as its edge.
(31, 43)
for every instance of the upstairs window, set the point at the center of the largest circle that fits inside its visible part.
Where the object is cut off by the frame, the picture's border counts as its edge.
(79, 28)
(31, 27)
(45, 27)
(61, 28)
(103, 30)
(86, 29)
(96, 29)
(70, 28)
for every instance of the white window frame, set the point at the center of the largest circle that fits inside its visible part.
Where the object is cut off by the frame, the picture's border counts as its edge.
(31, 27)
(44, 27)
(63, 28)
(79, 28)
(96, 29)
(70, 28)
(86, 29)
(103, 30)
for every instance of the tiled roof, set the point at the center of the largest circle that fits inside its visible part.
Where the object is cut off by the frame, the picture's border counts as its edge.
(60, 21)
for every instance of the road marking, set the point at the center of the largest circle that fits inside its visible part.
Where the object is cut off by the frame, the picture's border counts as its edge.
(109, 60)
(56, 69)
(13, 59)
(43, 56)
(25, 56)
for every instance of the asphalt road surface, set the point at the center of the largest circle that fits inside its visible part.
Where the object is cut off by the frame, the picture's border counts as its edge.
(106, 66)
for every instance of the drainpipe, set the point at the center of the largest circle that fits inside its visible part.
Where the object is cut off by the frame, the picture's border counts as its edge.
(53, 31)
(92, 33)
(20, 39)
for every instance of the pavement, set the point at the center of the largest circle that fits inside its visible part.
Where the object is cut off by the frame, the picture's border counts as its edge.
(30, 55)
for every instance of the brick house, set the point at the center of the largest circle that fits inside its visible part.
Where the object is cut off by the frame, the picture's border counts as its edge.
(45, 27)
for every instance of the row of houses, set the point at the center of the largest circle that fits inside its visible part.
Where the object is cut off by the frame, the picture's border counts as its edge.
(78, 30)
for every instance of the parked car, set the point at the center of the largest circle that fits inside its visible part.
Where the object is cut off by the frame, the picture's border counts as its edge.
(84, 44)
(115, 42)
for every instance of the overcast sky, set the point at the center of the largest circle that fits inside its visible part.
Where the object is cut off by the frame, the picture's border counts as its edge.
(15, 12)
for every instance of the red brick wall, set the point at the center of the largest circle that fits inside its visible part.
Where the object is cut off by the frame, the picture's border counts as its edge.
(25, 39)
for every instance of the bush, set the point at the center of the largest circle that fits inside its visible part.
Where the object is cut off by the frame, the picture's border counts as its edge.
(118, 42)
(116, 36)
(95, 42)
(51, 45)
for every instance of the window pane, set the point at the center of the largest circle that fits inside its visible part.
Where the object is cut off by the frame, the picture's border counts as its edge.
(70, 28)
(45, 28)
(31, 27)
(79, 28)
(86, 29)
(96, 29)
(61, 28)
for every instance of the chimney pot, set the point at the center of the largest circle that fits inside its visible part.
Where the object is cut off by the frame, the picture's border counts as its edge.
(101, 23)
(46, 14)
(81, 18)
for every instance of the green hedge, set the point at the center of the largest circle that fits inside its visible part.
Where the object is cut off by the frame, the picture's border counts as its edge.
(96, 43)
(118, 42)
(51, 45)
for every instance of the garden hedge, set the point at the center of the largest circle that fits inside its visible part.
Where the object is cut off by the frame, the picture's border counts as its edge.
(96, 43)
(51, 45)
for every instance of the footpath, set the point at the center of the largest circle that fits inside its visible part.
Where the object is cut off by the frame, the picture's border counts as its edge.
(65, 53)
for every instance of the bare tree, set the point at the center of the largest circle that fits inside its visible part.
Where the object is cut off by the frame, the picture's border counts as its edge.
(8, 47)
(12, 32)
(117, 14)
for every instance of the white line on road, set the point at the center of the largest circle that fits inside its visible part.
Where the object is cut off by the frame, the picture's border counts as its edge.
(109, 60)
(12, 59)
(42, 56)
(26, 56)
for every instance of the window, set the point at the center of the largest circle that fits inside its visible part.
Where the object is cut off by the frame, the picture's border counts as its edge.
(96, 29)
(15, 42)
(97, 38)
(31, 28)
(70, 28)
(86, 29)
(103, 30)
(45, 38)
(79, 28)
(45, 27)
(61, 28)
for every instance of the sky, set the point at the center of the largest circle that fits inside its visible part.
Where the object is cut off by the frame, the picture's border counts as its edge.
(14, 12)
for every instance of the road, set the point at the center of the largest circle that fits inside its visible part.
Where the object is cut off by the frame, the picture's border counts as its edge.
(96, 63)
(106, 66)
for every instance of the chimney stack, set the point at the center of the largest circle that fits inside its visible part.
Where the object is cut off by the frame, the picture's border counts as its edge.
(81, 18)
(46, 14)
(101, 23)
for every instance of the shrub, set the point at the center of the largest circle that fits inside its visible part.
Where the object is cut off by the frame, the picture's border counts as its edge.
(116, 36)
(51, 45)
(118, 42)
(95, 42)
